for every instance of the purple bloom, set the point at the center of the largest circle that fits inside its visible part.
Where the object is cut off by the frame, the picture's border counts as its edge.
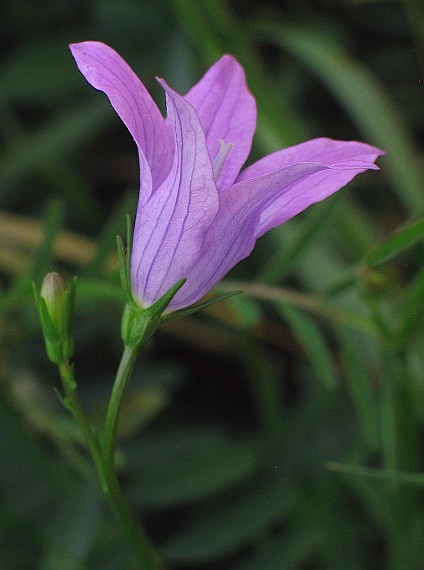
(197, 215)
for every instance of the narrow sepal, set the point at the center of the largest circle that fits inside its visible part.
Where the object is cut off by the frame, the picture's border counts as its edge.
(62, 399)
(161, 304)
(198, 306)
(122, 265)
(124, 260)
(138, 324)
(70, 295)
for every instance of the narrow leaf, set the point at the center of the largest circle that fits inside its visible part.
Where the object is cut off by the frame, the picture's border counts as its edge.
(411, 307)
(198, 306)
(359, 386)
(364, 98)
(105, 243)
(223, 530)
(52, 223)
(400, 241)
(312, 340)
(404, 478)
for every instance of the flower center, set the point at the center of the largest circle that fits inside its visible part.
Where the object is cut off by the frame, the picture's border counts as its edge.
(220, 158)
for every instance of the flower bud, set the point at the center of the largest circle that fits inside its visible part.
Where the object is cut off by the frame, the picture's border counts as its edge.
(55, 305)
(53, 292)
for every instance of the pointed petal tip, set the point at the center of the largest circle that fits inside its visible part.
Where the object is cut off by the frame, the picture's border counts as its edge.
(229, 59)
(78, 46)
(91, 48)
(162, 82)
(354, 165)
(81, 50)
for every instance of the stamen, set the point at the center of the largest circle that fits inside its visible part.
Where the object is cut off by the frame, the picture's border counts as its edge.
(220, 158)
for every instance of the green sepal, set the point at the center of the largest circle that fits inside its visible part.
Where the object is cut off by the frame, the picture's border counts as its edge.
(198, 307)
(51, 337)
(49, 330)
(56, 326)
(68, 341)
(123, 271)
(62, 399)
(124, 261)
(162, 304)
(138, 324)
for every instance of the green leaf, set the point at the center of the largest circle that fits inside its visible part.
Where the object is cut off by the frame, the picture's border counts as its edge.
(43, 149)
(52, 223)
(196, 474)
(313, 341)
(360, 388)
(106, 242)
(403, 478)
(309, 228)
(399, 242)
(90, 290)
(71, 536)
(216, 30)
(34, 72)
(222, 530)
(364, 98)
(247, 312)
(320, 307)
(411, 308)
(29, 480)
(290, 550)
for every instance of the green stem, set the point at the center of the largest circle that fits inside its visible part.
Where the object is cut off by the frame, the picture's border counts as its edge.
(104, 458)
(138, 540)
(141, 546)
(111, 424)
(73, 404)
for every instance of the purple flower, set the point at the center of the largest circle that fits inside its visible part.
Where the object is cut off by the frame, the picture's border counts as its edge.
(197, 214)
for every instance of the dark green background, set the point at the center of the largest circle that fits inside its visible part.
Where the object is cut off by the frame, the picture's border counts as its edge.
(283, 429)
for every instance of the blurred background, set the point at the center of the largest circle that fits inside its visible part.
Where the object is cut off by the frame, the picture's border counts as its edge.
(283, 428)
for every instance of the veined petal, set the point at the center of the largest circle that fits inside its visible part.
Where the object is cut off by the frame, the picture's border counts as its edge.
(172, 225)
(345, 160)
(253, 206)
(227, 111)
(184, 228)
(234, 231)
(139, 236)
(106, 71)
(323, 150)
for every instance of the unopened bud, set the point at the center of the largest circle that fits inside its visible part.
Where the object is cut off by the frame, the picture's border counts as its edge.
(53, 292)
(55, 306)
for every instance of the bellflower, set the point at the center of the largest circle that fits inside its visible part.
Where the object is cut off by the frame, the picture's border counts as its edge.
(197, 214)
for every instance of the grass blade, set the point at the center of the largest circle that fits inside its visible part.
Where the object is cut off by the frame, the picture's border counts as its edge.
(363, 97)
(311, 338)
(401, 240)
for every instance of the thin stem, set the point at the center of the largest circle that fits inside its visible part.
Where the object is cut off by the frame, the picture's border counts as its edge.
(104, 459)
(138, 540)
(316, 306)
(73, 404)
(111, 424)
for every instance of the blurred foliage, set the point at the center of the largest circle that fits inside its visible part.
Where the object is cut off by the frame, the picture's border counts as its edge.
(282, 429)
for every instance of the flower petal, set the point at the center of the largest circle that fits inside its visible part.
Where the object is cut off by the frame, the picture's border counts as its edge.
(345, 160)
(251, 207)
(105, 70)
(323, 150)
(233, 233)
(227, 111)
(170, 228)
